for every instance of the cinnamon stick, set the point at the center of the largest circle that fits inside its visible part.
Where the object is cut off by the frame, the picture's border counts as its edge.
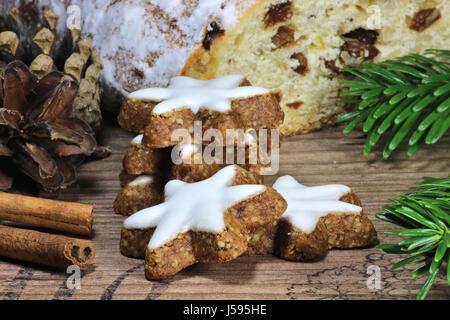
(44, 248)
(75, 218)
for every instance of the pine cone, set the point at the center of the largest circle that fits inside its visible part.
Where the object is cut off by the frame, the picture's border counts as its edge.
(39, 136)
(31, 38)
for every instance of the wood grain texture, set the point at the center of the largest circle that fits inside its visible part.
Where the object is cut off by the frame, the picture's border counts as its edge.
(317, 158)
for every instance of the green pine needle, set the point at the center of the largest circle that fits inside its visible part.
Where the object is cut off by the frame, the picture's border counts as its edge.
(424, 214)
(406, 95)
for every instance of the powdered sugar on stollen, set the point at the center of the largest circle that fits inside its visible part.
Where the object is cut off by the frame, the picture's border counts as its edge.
(154, 37)
(215, 94)
(195, 206)
(307, 204)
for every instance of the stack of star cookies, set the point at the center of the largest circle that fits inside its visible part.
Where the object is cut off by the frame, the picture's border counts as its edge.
(190, 130)
(187, 205)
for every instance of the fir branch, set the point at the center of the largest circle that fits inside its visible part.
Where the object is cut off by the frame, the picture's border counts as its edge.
(424, 214)
(403, 95)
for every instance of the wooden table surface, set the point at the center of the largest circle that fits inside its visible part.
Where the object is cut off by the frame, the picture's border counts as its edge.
(321, 157)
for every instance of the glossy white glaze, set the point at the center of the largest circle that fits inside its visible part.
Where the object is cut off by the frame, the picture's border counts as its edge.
(307, 204)
(144, 179)
(195, 206)
(186, 92)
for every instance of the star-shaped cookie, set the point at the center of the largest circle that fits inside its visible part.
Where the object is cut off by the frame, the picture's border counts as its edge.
(214, 95)
(306, 205)
(223, 103)
(316, 219)
(207, 221)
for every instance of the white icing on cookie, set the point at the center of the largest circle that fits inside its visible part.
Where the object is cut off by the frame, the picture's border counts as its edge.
(215, 94)
(307, 204)
(144, 179)
(137, 140)
(195, 206)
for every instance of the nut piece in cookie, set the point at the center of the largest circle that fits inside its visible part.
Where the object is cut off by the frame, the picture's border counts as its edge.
(206, 221)
(317, 219)
(223, 103)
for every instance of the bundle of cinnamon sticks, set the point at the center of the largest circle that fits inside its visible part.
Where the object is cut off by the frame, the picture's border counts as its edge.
(44, 248)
